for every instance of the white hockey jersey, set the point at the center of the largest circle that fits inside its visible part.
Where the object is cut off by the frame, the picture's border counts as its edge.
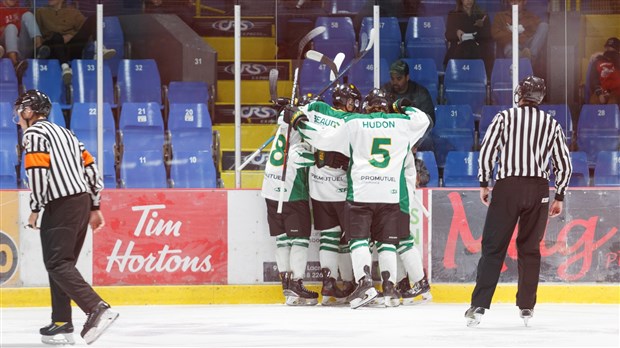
(377, 145)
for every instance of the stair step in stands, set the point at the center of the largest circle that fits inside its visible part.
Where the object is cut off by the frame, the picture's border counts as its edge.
(254, 80)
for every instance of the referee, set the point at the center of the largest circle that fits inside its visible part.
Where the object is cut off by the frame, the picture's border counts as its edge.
(521, 140)
(66, 185)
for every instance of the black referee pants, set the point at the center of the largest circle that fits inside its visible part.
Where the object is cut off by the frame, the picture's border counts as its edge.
(63, 230)
(515, 199)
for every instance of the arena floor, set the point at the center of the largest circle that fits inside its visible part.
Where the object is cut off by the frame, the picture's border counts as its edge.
(553, 325)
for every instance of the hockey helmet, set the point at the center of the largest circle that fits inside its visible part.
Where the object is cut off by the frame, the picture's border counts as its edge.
(531, 89)
(376, 100)
(343, 92)
(36, 100)
(309, 98)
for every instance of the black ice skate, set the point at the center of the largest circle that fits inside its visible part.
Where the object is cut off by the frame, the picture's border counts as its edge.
(347, 289)
(331, 293)
(299, 295)
(377, 302)
(526, 314)
(97, 322)
(420, 288)
(390, 295)
(286, 278)
(57, 333)
(365, 291)
(473, 315)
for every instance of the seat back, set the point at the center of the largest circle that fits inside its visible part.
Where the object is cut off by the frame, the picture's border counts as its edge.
(143, 169)
(607, 169)
(461, 169)
(188, 92)
(362, 74)
(8, 81)
(193, 169)
(501, 79)
(46, 76)
(453, 130)
(190, 127)
(313, 77)
(562, 114)
(113, 37)
(424, 72)
(84, 125)
(339, 36)
(390, 37)
(581, 173)
(431, 164)
(8, 130)
(84, 82)
(56, 115)
(465, 83)
(142, 126)
(598, 130)
(425, 38)
(8, 175)
(138, 81)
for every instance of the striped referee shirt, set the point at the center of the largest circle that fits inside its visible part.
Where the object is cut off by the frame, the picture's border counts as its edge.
(57, 165)
(522, 140)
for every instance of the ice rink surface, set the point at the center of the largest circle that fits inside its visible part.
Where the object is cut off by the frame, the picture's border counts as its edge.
(553, 325)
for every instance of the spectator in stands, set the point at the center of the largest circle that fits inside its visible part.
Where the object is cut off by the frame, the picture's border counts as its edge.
(468, 31)
(67, 31)
(185, 9)
(18, 32)
(604, 76)
(532, 32)
(400, 86)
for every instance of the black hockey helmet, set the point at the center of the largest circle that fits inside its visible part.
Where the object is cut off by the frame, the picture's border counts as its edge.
(377, 100)
(531, 89)
(343, 92)
(38, 102)
(308, 98)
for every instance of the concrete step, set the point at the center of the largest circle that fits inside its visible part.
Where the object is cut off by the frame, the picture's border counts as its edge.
(254, 80)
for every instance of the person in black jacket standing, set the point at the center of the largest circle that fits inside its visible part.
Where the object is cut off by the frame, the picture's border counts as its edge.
(66, 185)
(521, 140)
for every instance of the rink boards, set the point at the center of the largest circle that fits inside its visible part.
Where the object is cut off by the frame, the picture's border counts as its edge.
(213, 246)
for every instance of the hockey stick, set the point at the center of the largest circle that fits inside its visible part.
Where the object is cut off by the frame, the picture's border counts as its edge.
(355, 60)
(333, 65)
(273, 84)
(302, 44)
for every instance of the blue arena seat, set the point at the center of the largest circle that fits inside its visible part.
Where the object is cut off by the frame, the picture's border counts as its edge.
(190, 127)
(425, 38)
(607, 169)
(465, 82)
(84, 125)
(143, 169)
(339, 37)
(193, 169)
(424, 72)
(8, 174)
(8, 132)
(141, 127)
(113, 38)
(109, 170)
(8, 81)
(502, 92)
(46, 76)
(83, 88)
(435, 7)
(488, 113)
(56, 115)
(461, 169)
(313, 77)
(598, 129)
(346, 6)
(188, 92)
(453, 130)
(431, 164)
(362, 74)
(562, 114)
(391, 40)
(138, 81)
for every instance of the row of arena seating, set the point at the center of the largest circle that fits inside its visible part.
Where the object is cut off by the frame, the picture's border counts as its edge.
(461, 169)
(598, 128)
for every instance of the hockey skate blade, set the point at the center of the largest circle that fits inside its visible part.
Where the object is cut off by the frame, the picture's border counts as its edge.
(300, 301)
(369, 295)
(331, 301)
(107, 319)
(472, 322)
(59, 340)
(422, 299)
(392, 301)
(525, 320)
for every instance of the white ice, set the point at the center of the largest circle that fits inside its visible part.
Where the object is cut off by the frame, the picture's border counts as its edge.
(431, 324)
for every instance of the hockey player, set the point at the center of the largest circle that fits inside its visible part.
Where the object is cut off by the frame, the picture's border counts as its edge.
(377, 145)
(292, 227)
(328, 190)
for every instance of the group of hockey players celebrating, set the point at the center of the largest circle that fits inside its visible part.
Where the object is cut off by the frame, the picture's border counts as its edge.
(352, 162)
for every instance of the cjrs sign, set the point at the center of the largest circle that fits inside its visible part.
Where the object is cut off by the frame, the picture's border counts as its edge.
(8, 257)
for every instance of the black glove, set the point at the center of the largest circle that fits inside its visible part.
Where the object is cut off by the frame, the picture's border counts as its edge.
(293, 116)
(331, 159)
(399, 105)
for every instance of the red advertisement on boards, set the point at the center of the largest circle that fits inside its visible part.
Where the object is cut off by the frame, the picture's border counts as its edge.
(162, 237)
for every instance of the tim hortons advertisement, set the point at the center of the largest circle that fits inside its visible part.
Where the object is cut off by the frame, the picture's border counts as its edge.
(166, 237)
(581, 245)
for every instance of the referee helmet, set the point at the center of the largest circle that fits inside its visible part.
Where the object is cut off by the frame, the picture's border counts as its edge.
(36, 100)
(531, 89)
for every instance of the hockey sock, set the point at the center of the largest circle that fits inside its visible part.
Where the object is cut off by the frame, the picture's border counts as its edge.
(328, 249)
(387, 259)
(360, 256)
(345, 264)
(283, 250)
(400, 269)
(299, 256)
(412, 260)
